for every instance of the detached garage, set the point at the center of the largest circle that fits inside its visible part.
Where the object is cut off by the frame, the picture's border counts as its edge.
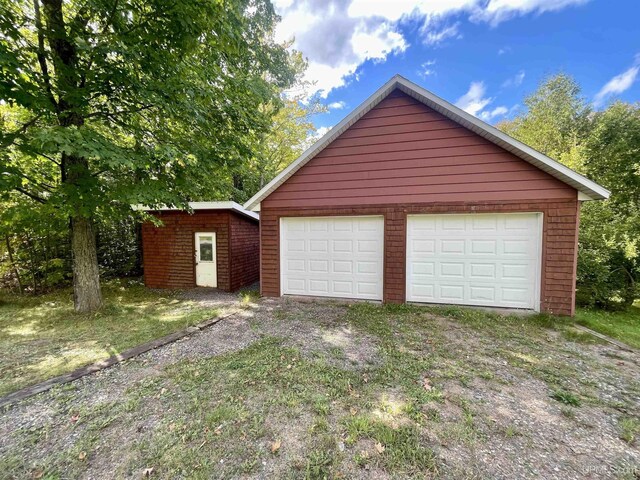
(215, 245)
(411, 199)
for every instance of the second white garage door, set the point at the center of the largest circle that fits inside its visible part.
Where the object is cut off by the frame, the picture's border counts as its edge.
(332, 256)
(481, 259)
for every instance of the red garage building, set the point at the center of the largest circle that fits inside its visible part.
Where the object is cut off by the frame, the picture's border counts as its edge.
(214, 246)
(410, 198)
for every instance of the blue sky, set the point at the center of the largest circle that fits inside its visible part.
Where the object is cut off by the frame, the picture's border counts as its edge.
(484, 55)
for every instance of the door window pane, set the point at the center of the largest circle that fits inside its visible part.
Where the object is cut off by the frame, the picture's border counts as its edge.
(206, 249)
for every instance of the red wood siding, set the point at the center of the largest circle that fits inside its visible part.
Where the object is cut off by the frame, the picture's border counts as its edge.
(169, 250)
(245, 259)
(560, 230)
(404, 152)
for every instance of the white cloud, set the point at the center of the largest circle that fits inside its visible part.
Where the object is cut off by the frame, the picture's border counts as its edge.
(335, 43)
(504, 50)
(436, 36)
(618, 84)
(337, 105)
(489, 115)
(498, 11)
(338, 36)
(394, 11)
(474, 101)
(514, 81)
(320, 132)
(426, 68)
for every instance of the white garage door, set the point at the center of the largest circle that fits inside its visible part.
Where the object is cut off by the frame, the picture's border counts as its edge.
(480, 259)
(332, 256)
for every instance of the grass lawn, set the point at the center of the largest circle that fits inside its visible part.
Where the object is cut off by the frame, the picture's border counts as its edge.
(41, 337)
(320, 390)
(623, 325)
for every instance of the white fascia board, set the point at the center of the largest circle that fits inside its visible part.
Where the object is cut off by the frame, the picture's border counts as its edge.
(539, 160)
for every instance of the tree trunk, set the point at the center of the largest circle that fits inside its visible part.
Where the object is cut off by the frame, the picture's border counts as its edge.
(75, 171)
(86, 278)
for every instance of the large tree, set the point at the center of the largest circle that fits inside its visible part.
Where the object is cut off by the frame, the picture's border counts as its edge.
(107, 103)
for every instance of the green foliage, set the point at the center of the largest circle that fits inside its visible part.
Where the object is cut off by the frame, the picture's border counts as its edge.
(556, 120)
(40, 260)
(604, 146)
(169, 95)
(108, 103)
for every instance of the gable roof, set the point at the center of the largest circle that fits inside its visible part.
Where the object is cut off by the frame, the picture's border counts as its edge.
(588, 189)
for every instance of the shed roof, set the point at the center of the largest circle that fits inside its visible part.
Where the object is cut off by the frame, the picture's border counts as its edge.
(236, 207)
(588, 189)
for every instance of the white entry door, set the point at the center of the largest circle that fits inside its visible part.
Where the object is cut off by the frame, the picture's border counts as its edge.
(206, 268)
(479, 259)
(332, 256)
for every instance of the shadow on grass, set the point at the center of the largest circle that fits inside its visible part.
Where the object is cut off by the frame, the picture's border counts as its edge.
(43, 336)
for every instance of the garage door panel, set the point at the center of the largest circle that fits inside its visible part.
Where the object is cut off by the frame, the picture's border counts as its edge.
(454, 293)
(333, 256)
(318, 266)
(483, 247)
(482, 271)
(493, 260)
(450, 246)
(485, 293)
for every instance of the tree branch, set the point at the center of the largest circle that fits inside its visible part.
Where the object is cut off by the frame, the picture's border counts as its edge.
(42, 58)
(11, 137)
(32, 196)
(120, 112)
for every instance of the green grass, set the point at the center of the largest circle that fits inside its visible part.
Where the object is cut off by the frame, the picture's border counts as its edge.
(565, 397)
(220, 416)
(41, 337)
(621, 325)
(629, 429)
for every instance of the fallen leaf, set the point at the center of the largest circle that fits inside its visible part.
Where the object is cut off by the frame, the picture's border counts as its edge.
(288, 366)
(426, 384)
(37, 473)
(275, 446)
(146, 473)
(353, 411)
(379, 447)
(82, 455)
(75, 418)
(218, 430)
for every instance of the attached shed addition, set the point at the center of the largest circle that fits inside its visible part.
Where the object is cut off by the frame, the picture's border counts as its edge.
(214, 246)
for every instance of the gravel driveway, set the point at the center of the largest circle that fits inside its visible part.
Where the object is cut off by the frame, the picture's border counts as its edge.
(427, 393)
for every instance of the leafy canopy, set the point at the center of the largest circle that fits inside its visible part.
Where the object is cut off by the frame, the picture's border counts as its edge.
(157, 97)
(604, 145)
